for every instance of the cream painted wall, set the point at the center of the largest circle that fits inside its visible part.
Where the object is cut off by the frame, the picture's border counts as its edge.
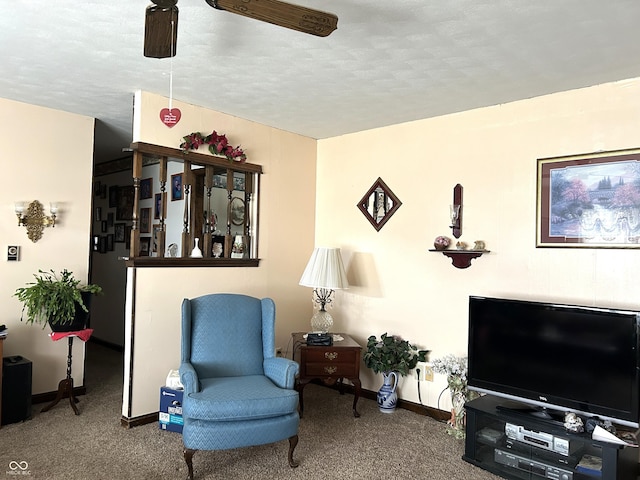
(287, 204)
(47, 155)
(398, 286)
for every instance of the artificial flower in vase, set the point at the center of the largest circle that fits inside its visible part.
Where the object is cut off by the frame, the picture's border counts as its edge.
(455, 368)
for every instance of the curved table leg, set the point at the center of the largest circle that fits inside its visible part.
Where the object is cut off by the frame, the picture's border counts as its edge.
(356, 396)
(300, 388)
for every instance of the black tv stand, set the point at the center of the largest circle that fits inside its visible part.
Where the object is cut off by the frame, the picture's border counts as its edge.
(540, 448)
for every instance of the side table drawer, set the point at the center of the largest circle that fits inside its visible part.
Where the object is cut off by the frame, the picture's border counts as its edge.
(330, 370)
(328, 355)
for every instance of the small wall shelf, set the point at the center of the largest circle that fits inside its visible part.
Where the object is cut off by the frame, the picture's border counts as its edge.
(461, 258)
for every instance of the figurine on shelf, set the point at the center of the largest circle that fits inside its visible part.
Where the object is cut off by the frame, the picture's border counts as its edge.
(573, 423)
(461, 246)
(479, 245)
(441, 242)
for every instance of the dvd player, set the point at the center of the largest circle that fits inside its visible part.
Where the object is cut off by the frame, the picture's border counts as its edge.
(532, 466)
(537, 439)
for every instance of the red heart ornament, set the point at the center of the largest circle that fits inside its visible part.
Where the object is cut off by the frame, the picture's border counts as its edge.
(170, 116)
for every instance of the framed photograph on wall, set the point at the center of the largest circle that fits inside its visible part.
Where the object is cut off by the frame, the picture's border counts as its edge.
(113, 196)
(220, 180)
(589, 201)
(145, 220)
(156, 229)
(157, 206)
(145, 244)
(124, 209)
(176, 186)
(103, 244)
(146, 188)
(118, 232)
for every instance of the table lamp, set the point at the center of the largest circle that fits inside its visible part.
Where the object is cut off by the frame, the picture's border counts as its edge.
(325, 273)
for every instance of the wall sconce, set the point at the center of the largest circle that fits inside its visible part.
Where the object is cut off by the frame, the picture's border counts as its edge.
(34, 218)
(455, 211)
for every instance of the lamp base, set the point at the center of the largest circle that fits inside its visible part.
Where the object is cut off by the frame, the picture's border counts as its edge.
(321, 321)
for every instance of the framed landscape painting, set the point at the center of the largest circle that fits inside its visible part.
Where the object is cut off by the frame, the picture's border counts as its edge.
(590, 200)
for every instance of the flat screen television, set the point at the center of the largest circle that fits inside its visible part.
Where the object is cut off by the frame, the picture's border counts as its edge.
(557, 357)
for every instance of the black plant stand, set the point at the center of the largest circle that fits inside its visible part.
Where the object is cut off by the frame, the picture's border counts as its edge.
(65, 387)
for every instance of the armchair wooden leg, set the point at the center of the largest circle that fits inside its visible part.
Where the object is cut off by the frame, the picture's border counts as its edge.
(188, 457)
(293, 441)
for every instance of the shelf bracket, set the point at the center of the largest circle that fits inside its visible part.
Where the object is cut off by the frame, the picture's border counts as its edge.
(461, 258)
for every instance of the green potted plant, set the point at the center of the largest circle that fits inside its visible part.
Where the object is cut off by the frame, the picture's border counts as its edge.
(391, 356)
(59, 299)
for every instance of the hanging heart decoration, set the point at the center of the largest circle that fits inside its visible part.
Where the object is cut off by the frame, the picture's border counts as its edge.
(170, 116)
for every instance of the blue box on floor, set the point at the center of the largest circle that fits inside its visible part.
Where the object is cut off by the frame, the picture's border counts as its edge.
(170, 414)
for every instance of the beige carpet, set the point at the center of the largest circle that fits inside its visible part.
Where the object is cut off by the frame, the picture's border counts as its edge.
(58, 445)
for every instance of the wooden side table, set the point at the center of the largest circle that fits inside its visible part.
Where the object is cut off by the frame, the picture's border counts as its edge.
(329, 364)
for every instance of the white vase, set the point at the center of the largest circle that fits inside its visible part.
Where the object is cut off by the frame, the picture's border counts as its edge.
(239, 247)
(387, 396)
(196, 252)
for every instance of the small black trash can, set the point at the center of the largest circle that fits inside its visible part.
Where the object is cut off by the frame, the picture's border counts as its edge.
(16, 389)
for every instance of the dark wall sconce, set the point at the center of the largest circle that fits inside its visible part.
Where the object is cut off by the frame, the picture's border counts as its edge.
(455, 211)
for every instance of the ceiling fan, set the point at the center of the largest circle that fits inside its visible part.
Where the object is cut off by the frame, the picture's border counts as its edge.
(161, 20)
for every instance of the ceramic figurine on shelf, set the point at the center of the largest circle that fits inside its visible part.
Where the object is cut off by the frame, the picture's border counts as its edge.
(461, 245)
(573, 423)
(479, 245)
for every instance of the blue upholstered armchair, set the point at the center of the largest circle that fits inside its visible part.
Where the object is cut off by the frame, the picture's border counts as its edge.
(237, 393)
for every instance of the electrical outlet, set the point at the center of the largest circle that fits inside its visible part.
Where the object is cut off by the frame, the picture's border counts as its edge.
(424, 372)
(428, 373)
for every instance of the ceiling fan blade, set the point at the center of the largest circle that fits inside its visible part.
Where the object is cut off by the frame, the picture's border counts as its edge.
(161, 30)
(283, 14)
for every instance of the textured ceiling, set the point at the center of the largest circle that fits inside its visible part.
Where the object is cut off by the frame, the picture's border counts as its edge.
(388, 62)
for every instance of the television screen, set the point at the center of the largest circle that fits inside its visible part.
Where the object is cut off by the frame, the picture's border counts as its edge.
(564, 357)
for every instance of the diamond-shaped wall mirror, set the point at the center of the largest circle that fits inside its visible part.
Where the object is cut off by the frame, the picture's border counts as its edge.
(379, 204)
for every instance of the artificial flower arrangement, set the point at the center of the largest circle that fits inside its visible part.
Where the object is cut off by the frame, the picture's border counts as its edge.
(455, 368)
(218, 145)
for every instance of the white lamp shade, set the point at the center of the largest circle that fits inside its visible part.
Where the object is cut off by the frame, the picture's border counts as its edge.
(325, 270)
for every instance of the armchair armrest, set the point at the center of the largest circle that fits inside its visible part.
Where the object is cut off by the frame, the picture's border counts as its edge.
(189, 378)
(281, 371)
